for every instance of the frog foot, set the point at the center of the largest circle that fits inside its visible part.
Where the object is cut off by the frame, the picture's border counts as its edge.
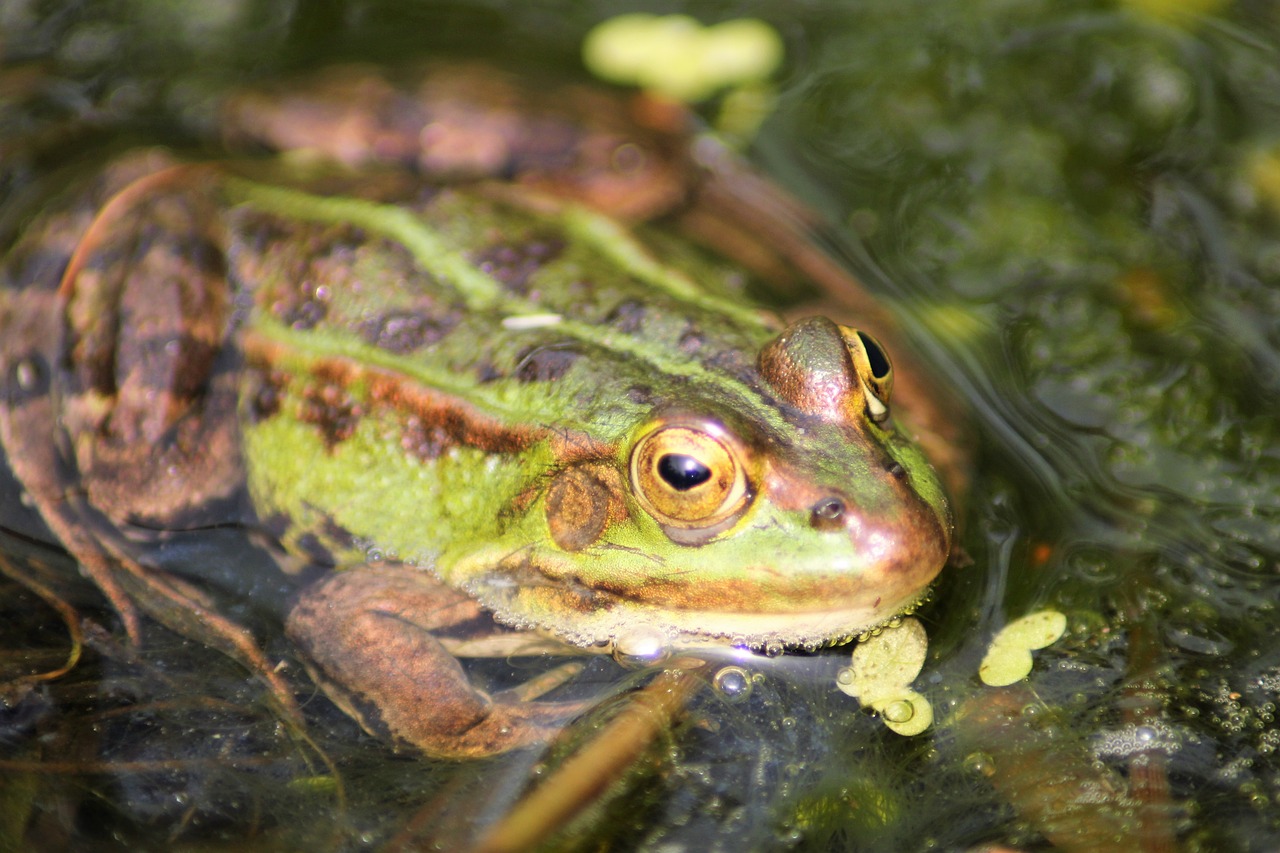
(367, 636)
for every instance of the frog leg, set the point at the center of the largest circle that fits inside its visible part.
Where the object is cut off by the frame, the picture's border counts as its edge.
(92, 459)
(104, 555)
(367, 637)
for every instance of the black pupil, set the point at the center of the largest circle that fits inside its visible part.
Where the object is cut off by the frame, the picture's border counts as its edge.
(682, 472)
(875, 357)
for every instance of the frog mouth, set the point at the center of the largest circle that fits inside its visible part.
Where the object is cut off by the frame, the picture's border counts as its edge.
(692, 628)
(768, 631)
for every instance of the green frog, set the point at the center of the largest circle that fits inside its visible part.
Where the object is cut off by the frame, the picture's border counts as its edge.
(470, 387)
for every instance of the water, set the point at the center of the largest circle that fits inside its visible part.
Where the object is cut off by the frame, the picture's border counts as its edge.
(1075, 206)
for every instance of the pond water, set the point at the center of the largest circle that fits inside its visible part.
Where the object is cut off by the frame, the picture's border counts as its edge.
(1075, 209)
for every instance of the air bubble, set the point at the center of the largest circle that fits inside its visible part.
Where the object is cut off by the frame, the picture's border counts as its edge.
(980, 763)
(899, 711)
(640, 647)
(732, 683)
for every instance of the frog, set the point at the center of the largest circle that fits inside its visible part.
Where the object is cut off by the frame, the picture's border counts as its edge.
(453, 344)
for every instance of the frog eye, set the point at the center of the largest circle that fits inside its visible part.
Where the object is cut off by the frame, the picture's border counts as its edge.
(875, 371)
(688, 478)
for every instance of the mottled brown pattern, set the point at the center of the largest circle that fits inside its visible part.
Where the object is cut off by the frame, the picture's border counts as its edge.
(640, 394)
(432, 420)
(266, 392)
(335, 533)
(454, 424)
(456, 418)
(403, 332)
(740, 365)
(310, 546)
(546, 363)
(427, 441)
(154, 269)
(147, 399)
(469, 122)
(627, 316)
(691, 340)
(328, 407)
(310, 268)
(513, 264)
(487, 371)
(294, 268)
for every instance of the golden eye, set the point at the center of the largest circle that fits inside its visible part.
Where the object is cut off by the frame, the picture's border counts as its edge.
(685, 477)
(875, 371)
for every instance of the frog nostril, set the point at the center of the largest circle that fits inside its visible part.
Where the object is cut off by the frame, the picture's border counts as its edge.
(827, 514)
(896, 470)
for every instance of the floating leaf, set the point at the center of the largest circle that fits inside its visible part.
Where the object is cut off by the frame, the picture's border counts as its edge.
(676, 56)
(1005, 665)
(882, 670)
(1033, 631)
(1009, 657)
(888, 661)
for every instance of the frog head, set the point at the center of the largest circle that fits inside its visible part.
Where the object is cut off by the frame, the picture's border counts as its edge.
(802, 528)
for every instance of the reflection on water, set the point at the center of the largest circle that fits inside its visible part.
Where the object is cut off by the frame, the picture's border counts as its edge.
(1076, 206)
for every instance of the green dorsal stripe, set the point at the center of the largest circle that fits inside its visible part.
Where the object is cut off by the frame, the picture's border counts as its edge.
(616, 243)
(483, 294)
(396, 223)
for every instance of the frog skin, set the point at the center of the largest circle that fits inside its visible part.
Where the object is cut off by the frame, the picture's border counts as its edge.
(469, 398)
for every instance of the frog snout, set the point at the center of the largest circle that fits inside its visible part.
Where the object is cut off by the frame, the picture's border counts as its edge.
(905, 548)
